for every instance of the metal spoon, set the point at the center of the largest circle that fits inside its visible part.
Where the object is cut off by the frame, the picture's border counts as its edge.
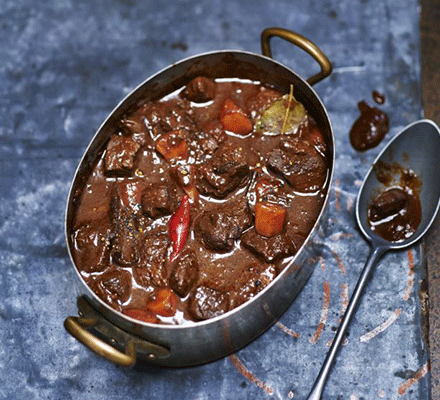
(417, 147)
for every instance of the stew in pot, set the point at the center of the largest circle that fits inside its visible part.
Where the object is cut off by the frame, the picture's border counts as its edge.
(199, 200)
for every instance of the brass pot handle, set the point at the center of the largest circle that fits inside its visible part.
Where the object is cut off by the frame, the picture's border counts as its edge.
(77, 327)
(301, 42)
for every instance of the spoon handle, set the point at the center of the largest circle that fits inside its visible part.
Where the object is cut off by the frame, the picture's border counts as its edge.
(319, 384)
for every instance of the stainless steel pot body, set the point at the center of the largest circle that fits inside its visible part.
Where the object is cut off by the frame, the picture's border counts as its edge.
(125, 340)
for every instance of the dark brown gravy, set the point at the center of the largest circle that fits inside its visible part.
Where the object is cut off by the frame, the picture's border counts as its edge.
(370, 128)
(395, 213)
(378, 97)
(124, 238)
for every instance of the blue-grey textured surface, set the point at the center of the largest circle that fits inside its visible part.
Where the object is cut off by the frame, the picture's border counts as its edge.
(64, 66)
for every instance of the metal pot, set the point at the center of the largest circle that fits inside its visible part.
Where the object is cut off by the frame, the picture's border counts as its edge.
(122, 339)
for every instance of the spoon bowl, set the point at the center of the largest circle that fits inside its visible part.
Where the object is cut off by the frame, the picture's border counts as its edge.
(416, 148)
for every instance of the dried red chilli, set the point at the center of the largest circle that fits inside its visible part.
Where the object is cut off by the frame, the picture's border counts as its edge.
(179, 227)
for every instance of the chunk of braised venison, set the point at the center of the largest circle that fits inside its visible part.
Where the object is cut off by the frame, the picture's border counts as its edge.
(272, 190)
(169, 115)
(127, 194)
(92, 244)
(154, 248)
(125, 223)
(206, 302)
(151, 270)
(184, 273)
(218, 228)
(209, 137)
(135, 123)
(200, 89)
(388, 203)
(136, 126)
(224, 172)
(269, 249)
(298, 162)
(250, 282)
(120, 155)
(159, 200)
(124, 249)
(113, 286)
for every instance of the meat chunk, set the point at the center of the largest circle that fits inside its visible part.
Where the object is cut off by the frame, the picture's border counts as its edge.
(135, 125)
(200, 89)
(220, 227)
(124, 248)
(388, 203)
(184, 274)
(127, 221)
(298, 162)
(269, 249)
(113, 286)
(272, 190)
(120, 155)
(250, 282)
(210, 137)
(166, 116)
(206, 302)
(224, 172)
(159, 200)
(92, 243)
(151, 271)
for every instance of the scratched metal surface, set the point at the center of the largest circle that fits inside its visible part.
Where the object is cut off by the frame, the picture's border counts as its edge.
(66, 64)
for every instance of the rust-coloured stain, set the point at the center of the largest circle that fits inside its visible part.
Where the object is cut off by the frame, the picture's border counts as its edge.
(409, 286)
(340, 235)
(324, 314)
(249, 375)
(370, 335)
(286, 330)
(411, 381)
(339, 261)
(344, 302)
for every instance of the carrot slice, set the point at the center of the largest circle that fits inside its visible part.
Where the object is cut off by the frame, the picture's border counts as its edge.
(269, 218)
(234, 119)
(142, 315)
(164, 303)
(172, 146)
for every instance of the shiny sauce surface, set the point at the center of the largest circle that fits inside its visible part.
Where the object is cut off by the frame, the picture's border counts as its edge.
(395, 212)
(196, 204)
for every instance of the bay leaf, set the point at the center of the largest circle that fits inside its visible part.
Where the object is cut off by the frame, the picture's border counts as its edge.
(282, 117)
